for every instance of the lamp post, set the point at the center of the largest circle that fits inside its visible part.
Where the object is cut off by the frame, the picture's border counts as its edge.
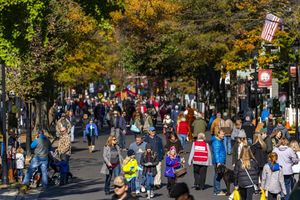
(296, 49)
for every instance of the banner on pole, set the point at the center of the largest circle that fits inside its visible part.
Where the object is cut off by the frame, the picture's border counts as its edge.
(264, 78)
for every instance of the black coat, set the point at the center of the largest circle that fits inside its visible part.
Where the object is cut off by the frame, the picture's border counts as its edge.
(249, 129)
(128, 197)
(151, 168)
(241, 178)
(260, 155)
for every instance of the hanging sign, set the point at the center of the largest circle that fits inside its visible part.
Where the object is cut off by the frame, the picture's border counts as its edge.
(264, 78)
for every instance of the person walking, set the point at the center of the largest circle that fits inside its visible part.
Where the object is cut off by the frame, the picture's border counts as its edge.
(286, 158)
(282, 129)
(139, 147)
(219, 158)
(296, 168)
(147, 122)
(20, 162)
(73, 122)
(183, 129)
(249, 129)
(91, 132)
(118, 124)
(12, 146)
(200, 157)
(41, 146)
(174, 141)
(276, 137)
(149, 161)
(157, 145)
(246, 174)
(259, 151)
(272, 179)
(199, 125)
(241, 140)
(215, 126)
(130, 169)
(112, 161)
(228, 128)
(235, 132)
(64, 145)
(173, 163)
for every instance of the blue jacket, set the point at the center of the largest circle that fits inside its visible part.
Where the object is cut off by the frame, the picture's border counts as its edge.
(171, 166)
(157, 146)
(91, 129)
(219, 152)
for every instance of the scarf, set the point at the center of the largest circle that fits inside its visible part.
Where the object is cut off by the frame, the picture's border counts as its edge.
(275, 167)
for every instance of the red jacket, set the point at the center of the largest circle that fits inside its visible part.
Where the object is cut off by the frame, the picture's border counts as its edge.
(183, 127)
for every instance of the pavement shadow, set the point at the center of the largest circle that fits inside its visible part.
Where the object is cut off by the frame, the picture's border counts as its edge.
(77, 187)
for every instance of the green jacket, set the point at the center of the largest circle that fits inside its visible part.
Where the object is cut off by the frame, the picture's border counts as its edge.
(198, 126)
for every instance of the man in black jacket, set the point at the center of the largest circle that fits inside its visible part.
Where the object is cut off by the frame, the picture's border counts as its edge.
(249, 129)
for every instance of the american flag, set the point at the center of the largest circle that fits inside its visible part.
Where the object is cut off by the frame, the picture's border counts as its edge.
(270, 26)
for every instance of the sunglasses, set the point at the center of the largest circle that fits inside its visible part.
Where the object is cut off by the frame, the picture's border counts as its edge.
(117, 186)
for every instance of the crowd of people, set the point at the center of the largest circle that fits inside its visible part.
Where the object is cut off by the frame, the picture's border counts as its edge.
(264, 155)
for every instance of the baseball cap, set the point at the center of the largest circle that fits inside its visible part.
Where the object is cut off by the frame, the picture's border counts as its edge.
(151, 128)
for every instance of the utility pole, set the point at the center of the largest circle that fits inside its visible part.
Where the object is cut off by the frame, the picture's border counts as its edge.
(3, 109)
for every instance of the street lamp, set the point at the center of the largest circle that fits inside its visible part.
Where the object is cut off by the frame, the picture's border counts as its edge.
(296, 49)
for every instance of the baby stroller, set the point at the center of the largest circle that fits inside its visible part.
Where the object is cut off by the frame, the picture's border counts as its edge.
(60, 173)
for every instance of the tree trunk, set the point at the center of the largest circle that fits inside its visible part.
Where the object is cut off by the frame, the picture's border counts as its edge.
(41, 116)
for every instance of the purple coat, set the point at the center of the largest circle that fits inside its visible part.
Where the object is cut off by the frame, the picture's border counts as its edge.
(171, 166)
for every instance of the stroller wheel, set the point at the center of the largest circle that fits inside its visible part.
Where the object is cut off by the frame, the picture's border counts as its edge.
(56, 180)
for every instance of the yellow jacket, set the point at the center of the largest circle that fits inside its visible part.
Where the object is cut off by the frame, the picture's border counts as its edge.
(130, 169)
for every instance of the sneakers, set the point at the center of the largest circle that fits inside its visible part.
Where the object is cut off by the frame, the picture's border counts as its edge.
(221, 194)
(148, 194)
(137, 192)
(143, 189)
(151, 193)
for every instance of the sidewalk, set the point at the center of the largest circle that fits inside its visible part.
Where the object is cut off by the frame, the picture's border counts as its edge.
(12, 194)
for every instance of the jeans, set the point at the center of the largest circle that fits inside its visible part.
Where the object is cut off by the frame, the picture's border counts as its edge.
(131, 185)
(63, 178)
(20, 172)
(149, 181)
(116, 172)
(227, 144)
(217, 182)
(182, 138)
(122, 140)
(91, 140)
(249, 140)
(288, 185)
(35, 163)
(139, 180)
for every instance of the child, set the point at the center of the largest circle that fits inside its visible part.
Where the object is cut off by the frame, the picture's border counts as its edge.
(130, 168)
(172, 164)
(64, 170)
(149, 161)
(272, 178)
(20, 163)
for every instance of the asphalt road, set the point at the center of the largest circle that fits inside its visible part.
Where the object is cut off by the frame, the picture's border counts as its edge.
(88, 183)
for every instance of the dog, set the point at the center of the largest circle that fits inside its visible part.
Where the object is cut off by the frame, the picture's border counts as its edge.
(227, 175)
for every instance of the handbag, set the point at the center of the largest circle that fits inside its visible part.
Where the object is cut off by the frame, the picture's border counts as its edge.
(134, 128)
(235, 195)
(181, 171)
(256, 189)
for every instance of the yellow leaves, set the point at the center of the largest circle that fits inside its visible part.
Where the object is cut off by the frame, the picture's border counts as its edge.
(146, 14)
